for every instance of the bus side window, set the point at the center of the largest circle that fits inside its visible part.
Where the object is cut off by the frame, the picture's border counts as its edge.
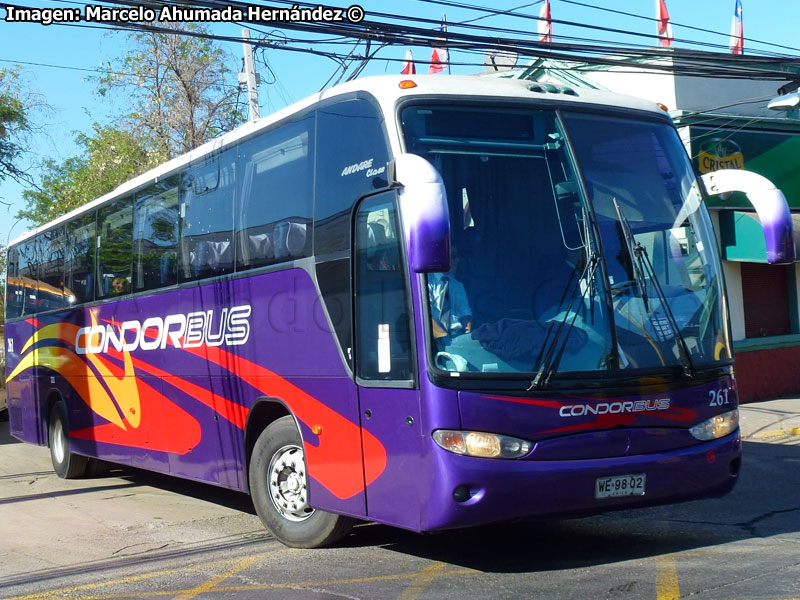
(115, 224)
(352, 152)
(14, 289)
(28, 278)
(155, 237)
(276, 183)
(51, 269)
(206, 217)
(80, 259)
(383, 340)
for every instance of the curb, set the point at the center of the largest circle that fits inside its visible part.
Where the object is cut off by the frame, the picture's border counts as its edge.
(775, 433)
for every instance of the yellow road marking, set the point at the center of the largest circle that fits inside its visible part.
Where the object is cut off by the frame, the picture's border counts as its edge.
(333, 582)
(124, 580)
(214, 581)
(219, 591)
(772, 433)
(667, 579)
(421, 581)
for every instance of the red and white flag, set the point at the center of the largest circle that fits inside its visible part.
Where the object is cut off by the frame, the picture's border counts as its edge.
(545, 25)
(439, 56)
(408, 65)
(737, 30)
(664, 26)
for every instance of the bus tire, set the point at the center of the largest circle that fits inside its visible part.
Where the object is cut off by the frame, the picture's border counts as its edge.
(279, 489)
(66, 464)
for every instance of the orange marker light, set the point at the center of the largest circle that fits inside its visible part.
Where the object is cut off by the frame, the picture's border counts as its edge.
(662, 106)
(407, 84)
(317, 429)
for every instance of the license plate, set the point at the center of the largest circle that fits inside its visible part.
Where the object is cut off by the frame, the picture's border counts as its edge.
(619, 485)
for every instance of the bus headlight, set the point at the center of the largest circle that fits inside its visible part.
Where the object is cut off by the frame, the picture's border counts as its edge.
(716, 427)
(480, 444)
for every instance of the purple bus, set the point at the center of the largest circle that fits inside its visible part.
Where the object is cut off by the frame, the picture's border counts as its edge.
(430, 302)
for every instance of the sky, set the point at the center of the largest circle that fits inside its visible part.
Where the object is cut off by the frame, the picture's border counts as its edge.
(57, 61)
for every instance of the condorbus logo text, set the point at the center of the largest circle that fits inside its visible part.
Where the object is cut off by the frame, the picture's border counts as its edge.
(230, 327)
(614, 408)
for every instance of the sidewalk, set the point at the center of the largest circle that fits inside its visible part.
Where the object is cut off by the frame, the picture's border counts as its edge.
(775, 421)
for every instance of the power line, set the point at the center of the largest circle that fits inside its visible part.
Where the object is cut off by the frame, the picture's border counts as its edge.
(489, 11)
(685, 62)
(516, 8)
(754, 100)
(683, 25)
(396, 34)
(511, 13)
(731, 130)
(65, 67)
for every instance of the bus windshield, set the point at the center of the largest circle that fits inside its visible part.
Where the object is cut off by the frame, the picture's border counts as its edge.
(578, 243)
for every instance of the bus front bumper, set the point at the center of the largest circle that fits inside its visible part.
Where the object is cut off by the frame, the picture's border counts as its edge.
(465, 491)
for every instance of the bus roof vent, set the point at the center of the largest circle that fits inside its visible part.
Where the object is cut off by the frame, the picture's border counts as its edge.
(551, 88)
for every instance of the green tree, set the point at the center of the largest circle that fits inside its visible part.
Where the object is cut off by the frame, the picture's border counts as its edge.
(16, 105)
(179, 90)
(110, 157)
(179, 93)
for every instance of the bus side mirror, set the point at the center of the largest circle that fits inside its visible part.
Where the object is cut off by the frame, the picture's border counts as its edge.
(770, 205)
(423, 207)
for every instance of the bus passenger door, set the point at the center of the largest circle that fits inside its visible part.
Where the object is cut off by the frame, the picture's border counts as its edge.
(384, 365)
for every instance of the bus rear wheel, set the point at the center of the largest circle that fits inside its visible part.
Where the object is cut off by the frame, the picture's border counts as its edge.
(279, 489)
(66, 464)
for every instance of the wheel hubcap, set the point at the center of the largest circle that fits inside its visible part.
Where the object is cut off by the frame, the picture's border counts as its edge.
(288, 484)
(58, 442)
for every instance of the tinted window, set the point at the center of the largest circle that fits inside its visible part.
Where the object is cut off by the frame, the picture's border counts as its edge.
(155, 235)
(51, 269)
(26, 291)
(81, 246)
(352, 153)
(207, 193)
(276, 195)
(333, 277)
(114, 255)
(14, 292)
(383, 348)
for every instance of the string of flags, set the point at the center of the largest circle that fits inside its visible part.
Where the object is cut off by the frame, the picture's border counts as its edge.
(408, 65)
(440, 58)
(545, 25)
(664, 26)
(737, 29)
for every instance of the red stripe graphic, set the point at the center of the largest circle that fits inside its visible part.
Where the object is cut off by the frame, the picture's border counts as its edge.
(336, 461)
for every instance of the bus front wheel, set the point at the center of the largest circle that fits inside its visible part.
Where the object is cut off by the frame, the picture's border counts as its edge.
(279, 489)
(66, 464)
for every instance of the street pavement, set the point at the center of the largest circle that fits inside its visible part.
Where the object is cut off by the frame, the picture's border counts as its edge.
(139, 535)
(774, 421)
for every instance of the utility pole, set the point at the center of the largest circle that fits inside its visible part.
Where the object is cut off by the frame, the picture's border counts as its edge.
(250, 77)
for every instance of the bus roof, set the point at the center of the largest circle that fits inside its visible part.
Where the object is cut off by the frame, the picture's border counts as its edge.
(386, 89)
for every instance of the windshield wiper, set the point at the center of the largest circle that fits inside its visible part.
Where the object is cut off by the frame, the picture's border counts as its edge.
(587, 236)
(683, 349)
(549, 364)
(634, 249)
(640, 261)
